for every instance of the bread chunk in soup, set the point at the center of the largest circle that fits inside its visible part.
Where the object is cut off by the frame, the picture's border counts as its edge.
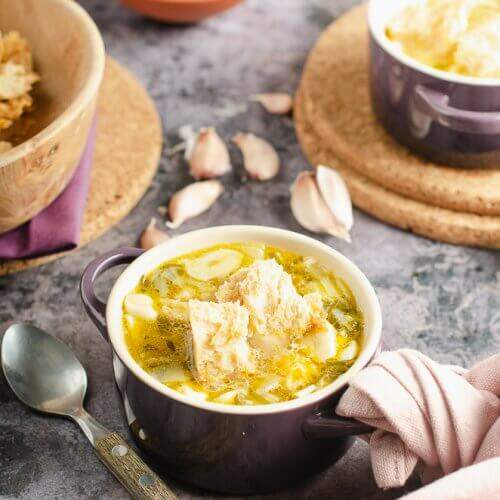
(243, 323)
(218, 342)
(277, 312)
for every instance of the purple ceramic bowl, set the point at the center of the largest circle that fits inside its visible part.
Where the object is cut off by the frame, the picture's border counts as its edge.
(448, 118)
(229, 448)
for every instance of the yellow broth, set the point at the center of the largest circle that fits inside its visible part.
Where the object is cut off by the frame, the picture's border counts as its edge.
(458, 36)
(159, 346)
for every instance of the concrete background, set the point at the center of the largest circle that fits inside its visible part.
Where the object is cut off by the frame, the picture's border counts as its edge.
(440, 299)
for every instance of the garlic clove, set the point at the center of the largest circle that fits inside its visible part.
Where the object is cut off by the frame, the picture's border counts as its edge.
(208, 155)
(227, 397)
(310, 209)
(129, 320)
(322, 342)
(307, 205)
(305, 391)
(152, 236)
(334, 191)
(169, 374)
(193, 200)
(192, 393)
(141, 306)
(217, 264)
(349, 352)
(259, 157)
(277, 103)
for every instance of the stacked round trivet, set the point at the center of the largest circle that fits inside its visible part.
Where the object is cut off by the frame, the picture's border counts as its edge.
(336, 127)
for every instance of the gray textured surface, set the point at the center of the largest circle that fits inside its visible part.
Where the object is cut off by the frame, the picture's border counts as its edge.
(440, 299)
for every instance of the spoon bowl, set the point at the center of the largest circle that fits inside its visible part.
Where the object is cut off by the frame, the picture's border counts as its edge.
(42, 371)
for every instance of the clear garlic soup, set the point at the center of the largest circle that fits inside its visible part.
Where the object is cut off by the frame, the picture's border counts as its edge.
(243, 324)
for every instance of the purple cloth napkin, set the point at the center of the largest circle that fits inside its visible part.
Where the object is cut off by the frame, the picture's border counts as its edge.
(57, 227)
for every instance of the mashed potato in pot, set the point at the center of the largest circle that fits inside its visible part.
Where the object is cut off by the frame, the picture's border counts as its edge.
(460, 36)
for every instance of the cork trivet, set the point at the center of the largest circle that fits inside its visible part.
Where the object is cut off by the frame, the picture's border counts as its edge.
(337, 101)
(434, 222)
(126, 156)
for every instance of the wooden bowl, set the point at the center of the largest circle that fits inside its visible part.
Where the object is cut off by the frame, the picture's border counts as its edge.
(180, 11)
(49, 140)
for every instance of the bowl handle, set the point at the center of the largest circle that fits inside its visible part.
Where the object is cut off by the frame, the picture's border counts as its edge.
(328, 425)
(96, 309)
(436, 105)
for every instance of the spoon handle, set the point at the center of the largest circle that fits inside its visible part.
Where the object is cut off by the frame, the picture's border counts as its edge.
(139, 480)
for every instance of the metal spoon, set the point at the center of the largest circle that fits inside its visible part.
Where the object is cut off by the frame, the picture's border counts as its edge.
(45, 375)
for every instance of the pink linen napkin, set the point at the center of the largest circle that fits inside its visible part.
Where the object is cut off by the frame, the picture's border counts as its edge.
(57, 227)
(439, 417)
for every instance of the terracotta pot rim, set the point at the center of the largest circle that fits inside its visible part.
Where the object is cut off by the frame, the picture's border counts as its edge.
(362, 288)
(84, 97)
(184, 2)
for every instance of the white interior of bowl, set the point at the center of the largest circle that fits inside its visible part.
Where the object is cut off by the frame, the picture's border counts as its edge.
(327, 256)
(69, 56)
(380, 13)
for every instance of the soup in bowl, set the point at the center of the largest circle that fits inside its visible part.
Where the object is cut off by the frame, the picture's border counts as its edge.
(231, 347)
(243, 323)
(434, 77)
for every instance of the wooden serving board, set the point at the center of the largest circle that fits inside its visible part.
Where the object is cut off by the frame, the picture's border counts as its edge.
(126, 156)
(336, 100)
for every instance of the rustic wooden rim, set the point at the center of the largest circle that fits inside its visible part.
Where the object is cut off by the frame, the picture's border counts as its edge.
(84, 97)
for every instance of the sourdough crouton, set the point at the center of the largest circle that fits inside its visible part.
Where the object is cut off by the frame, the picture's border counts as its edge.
(218, 343)
(277, 310)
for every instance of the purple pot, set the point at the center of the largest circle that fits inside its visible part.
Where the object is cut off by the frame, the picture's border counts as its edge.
(448, 118)
(228, 448)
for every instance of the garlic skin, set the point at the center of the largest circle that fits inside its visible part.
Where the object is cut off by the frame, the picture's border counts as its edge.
(192, 200)
(260, 159)
(207, 154)
(188, 136)
(152, 236)
(276, 103)
(313, 212)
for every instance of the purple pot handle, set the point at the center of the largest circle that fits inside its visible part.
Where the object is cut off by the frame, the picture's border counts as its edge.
(328, 425)
(95, 308)
(436, 105)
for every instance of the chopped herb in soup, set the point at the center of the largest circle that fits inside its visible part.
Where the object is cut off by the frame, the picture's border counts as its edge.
(244, 324)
